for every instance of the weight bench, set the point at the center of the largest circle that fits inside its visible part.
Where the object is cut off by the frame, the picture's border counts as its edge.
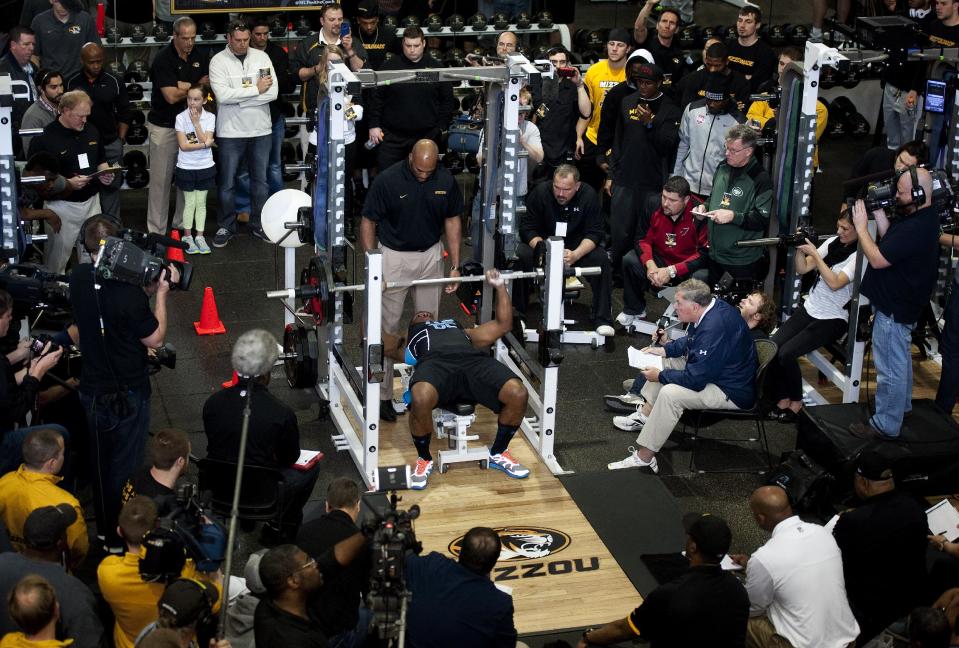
(452, 422)
(571, 291)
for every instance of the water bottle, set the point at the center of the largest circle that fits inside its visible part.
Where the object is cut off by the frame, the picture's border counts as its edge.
(369, 145)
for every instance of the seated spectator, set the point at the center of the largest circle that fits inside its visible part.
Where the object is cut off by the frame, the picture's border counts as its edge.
(759, 313)
(20, 376)
(763, 112)
(133, 600)
(889, 529)
(820, 320)
(274, 437)
(713, 366)
(188, 606)
(284, 618)
(34, 608)
(34, 485)
(44, 110)
(55, 186)
(169, 452)
(673, 248)
(566, 205)
(692, 87)
(738, 209)
(707, 606)
(45, 544)
(475, 613)
(240, 615)
(338, 605)
(702, 135)
(794, 581)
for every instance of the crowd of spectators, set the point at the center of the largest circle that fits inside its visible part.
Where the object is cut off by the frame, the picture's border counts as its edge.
(648, 166)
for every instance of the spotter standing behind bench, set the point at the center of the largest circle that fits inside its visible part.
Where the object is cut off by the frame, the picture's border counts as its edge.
(453, 365)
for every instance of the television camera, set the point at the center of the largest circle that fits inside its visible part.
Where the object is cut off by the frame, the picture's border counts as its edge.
(882, 195)
(136, 258)
(391, 537)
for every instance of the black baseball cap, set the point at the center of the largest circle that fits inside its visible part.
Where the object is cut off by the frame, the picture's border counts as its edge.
(619, 34)
(710, 533)
(46, 525)
(368, 9)
(717, 86)
(187, 599)
(647, 71)
(873, 466)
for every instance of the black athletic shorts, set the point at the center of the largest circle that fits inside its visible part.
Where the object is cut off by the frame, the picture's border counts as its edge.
(469, 379)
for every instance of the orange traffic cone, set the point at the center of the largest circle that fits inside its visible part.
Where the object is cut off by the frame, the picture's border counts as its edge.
(232, 381)
(209, 323)
(173, 253)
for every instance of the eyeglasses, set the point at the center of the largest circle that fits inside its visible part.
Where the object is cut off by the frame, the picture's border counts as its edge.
(730, 149)
(309, 563)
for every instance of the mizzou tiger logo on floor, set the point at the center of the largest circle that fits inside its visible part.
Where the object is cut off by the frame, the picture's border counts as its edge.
(523, 543)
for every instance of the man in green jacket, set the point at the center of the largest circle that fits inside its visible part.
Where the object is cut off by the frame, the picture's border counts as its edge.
(738, 209)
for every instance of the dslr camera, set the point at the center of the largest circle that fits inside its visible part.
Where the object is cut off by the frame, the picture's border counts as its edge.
(138, 259)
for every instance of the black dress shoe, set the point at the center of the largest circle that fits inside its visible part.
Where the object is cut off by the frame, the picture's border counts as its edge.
(866, 431)
(387, 413)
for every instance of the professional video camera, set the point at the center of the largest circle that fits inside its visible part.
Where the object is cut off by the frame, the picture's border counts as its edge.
(190, 530)
(787, 239)
(137, 258)
(882, 195)
(731, 290)
(31, 286)
(391, 537)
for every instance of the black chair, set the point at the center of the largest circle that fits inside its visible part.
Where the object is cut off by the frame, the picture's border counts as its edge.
(698, 419)
(259, 493)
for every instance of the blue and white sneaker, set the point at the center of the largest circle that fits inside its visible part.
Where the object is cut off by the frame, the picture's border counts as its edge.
(191, 245)
(201, 245)
(505, 462)
(421, 473)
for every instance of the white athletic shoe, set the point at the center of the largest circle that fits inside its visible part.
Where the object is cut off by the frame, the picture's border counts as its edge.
(421, 473)
(201, 245)
(625, 320)
(632, 423)
(627, 402)
(605, 330)
(633, 461)
(191, 247)
(628, 384)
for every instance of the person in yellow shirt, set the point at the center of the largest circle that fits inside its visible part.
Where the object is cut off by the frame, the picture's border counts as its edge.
(33, 485)
(762, 112)
(599, 79)
(34, 608)
(133, 601)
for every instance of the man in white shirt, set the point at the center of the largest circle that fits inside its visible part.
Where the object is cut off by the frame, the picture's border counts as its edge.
(797, 594)
(242, 80)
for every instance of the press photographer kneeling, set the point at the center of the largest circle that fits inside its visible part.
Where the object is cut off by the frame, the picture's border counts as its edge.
(116, 327)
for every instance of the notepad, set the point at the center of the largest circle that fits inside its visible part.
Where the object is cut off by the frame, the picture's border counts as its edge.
(642, 360)
(943, 520)
(308, 459)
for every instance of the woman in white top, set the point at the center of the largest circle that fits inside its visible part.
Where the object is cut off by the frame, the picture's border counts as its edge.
(195, 171)
(820, 320)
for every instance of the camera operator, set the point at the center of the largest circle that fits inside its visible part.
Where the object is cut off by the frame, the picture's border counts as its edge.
(116, 327)
(20, 376)
(821, 319)
(898, 281)
(475, 612)
(338, 604)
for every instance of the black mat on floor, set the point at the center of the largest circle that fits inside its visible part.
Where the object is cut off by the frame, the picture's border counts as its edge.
(633, 514)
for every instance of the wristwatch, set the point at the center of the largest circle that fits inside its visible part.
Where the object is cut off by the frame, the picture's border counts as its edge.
(672, 272)
(586, 632)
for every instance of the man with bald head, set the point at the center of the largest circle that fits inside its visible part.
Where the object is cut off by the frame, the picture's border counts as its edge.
(898, 281)
(409, 207)
(110, 114)
(797, 595)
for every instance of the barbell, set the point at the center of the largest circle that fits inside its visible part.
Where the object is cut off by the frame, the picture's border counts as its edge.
(319, 286)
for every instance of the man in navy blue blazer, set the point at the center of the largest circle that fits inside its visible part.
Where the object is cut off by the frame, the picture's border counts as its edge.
(713, 367)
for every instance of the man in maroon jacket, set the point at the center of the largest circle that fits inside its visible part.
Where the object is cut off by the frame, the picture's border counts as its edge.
(673, 248)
